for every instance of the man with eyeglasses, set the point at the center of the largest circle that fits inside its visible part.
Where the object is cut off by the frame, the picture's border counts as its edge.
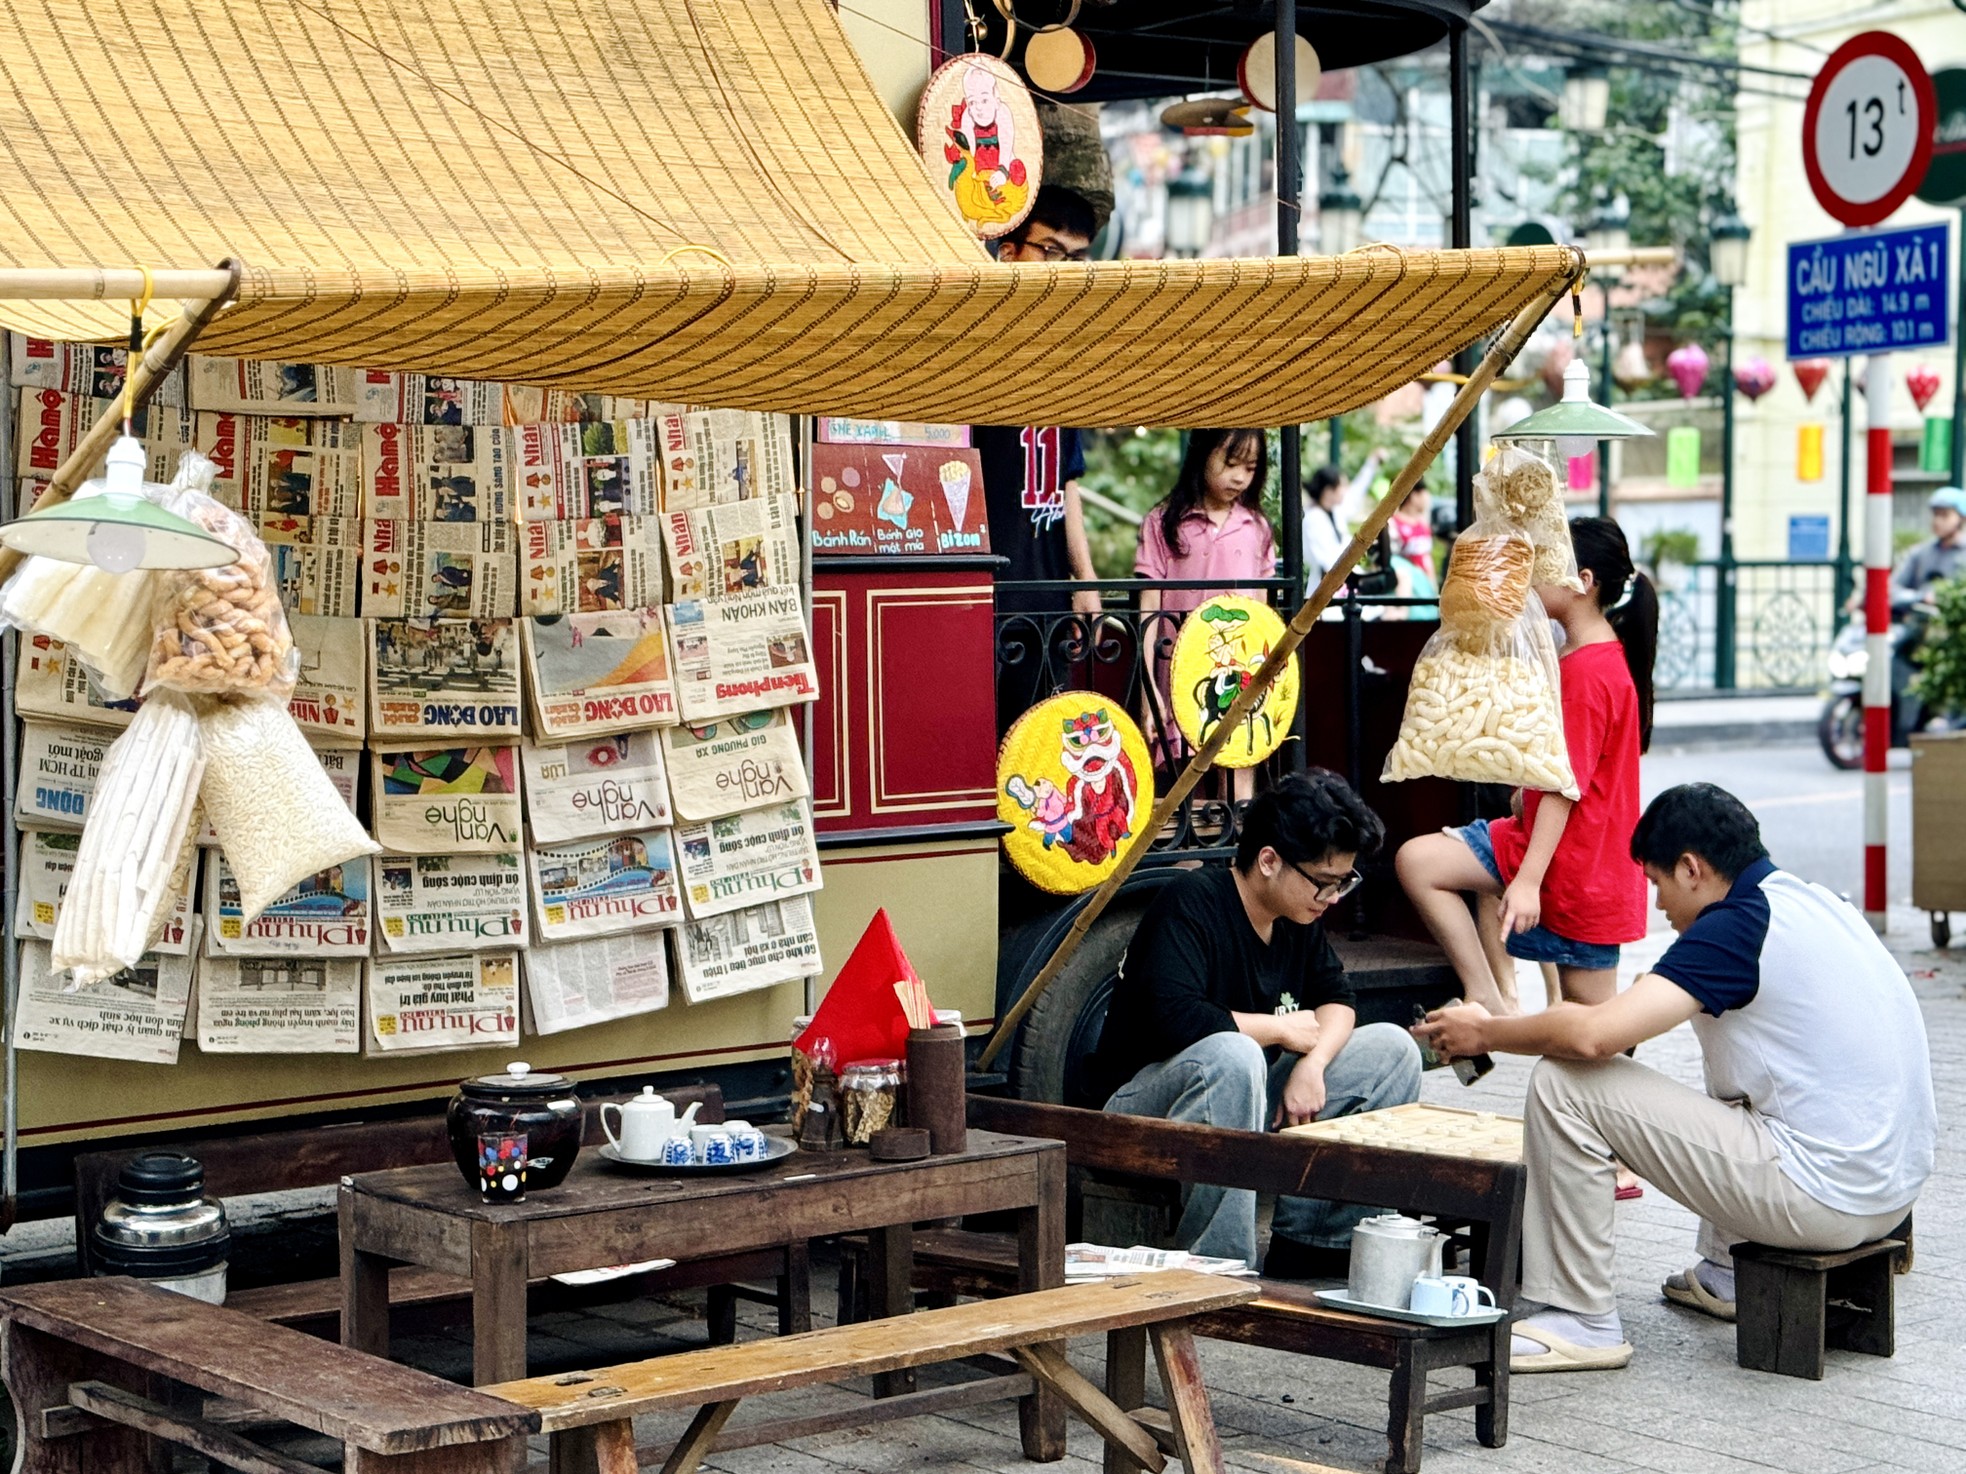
(1232, 1010)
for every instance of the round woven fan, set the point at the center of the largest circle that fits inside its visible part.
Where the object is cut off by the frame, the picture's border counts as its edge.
(1073, 783)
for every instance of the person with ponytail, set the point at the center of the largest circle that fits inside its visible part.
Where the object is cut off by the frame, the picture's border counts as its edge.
(1570, 891)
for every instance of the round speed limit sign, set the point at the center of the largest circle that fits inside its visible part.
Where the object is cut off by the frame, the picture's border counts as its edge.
(1867, 131)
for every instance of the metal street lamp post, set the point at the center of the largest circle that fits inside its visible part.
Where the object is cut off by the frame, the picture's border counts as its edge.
(1609, 233)
(1728, 253)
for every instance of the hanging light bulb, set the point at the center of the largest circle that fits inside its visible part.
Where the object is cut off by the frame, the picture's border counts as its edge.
(112, 524)
(1575, 422)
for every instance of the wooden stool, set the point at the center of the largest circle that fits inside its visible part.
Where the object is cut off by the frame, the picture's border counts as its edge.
(1791, 1304)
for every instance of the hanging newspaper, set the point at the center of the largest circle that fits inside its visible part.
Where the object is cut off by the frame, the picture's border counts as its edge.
(720, 552)
(747, 859)
(58, 767)
(235, 442)
(317, 562)
(593, 673)
(724, 455)
(572, 984)
(431, 569)
(437, 473)
(450, 903)
(51, 425)
(739, 654)
(444, 677)
(279, 1005)
(329, 699)
(598, 469)
(591, 564)
(82, 368)
(525, 405)
(54, 683)
(249, 387)
(47, 859)
(741, 762)
(742, 951)
(447, 800)
(343, 765)
(138, 1014)
(454, 1001)
(326, 915)
(302, 481)
(414, 399)
(595, 785)
(595, 887)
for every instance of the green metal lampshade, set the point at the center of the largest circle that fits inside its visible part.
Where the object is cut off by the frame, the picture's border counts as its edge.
(1575, 420)
(110, 523)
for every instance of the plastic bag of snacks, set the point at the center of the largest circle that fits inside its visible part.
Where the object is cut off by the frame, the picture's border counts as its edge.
(219, 630)
(138, 846)
(276, 814)
(1519, 489)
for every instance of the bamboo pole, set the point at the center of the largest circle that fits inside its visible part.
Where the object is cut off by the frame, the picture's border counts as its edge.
(1497, 358)
(146, 374)
(116, 284)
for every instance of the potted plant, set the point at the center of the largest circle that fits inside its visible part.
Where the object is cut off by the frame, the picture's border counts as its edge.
(1669, 552)
(1938, 766)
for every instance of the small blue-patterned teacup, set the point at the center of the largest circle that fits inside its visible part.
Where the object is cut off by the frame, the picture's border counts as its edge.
(747, 1142)
(716, 1149)
(677, 1152)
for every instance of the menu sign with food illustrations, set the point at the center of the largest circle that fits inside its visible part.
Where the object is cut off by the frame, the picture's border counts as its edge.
(895, 500)
(450, 903)
(601, 672)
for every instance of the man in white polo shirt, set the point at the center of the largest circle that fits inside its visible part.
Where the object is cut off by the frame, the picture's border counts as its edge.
(1817, 1127)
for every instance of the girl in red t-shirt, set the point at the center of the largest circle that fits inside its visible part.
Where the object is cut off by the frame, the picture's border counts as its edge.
(1570, 890)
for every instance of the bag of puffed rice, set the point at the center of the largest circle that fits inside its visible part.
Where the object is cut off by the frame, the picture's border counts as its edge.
(277, 815)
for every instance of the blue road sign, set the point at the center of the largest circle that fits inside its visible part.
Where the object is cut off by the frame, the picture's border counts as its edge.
(1874, 291)
(1808, 539)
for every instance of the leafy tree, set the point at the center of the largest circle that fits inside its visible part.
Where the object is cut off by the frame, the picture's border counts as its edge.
(1941, 682)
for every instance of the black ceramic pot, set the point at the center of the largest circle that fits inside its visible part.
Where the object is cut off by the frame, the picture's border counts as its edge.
(542, 1106)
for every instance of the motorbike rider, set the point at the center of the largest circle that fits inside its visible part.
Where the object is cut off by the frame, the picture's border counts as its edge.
(1942, 558)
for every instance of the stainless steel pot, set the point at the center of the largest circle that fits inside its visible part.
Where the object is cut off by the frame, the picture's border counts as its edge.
(161, 1227)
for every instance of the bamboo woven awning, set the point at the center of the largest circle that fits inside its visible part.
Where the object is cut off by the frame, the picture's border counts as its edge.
(685, 200)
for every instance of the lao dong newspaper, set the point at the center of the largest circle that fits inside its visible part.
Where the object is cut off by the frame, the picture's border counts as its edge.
(444, 677)
(595, 673)
(455, 1001)
(279, 1005)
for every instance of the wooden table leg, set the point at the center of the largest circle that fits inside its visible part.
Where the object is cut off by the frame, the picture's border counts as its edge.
(697, 1440)
(892, 1292)
(1187, 1398)
(1406, 1409)
(1492, 1417)
(1041, 1266)
(364, 1289)
(499, 1270)
(795, 1290)
(1126, 1383)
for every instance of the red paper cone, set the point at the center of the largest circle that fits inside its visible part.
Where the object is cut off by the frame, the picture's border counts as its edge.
(861, 1015)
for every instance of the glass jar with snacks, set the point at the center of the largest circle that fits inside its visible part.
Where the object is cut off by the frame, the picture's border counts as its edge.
(870, 1092)
(801, 1073)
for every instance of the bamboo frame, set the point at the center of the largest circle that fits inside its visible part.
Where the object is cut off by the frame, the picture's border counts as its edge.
(1493, 362)
(115, 284)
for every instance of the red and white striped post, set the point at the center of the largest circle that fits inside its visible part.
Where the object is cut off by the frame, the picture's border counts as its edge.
(1877, 642)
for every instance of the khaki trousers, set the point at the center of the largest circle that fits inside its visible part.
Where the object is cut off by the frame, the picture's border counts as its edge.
(1715, 1157)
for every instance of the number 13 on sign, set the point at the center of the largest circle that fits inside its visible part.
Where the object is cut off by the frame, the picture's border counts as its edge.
(1867, 131)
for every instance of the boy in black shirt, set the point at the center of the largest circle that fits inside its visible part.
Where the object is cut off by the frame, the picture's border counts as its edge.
(1232, 1010)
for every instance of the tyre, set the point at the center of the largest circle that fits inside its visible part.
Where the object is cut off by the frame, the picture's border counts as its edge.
(1062, 1029)
(1841, 731)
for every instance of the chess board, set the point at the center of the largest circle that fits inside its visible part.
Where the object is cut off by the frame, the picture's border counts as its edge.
(1445, 1131)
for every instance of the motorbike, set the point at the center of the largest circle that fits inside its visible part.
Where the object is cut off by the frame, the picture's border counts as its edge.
(1840, 728)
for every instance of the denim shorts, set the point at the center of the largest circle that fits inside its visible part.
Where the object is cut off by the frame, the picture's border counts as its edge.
(1539, 943)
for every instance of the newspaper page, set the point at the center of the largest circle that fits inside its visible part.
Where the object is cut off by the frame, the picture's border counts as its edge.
(572, 984)
(91, 370)
(138, 1014)
(596, 673)
(450, 1001)
(326, 915)
(595, 887)
(330, 698)
(595, 785)
(1087, 1262)
(430, 569)
(50, 425)
(720, 552)
(597, 469)
(444, 677)
(742, 951)
(317, 562)
(438, 473)
(279, 1005)
(47, 859)
(247, 387)
(446, 800)
(748, 859)
(526, 405)
(233, 443)
(742, 762)
(303, 481)
(713, 456)
(591, 564)
(450, 903)
(418, 399)
(739, 654)
(58, 767)
(343, 765)
(54, 683)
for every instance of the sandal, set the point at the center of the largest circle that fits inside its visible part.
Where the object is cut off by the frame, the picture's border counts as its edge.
(1559, 1355)
(1685, 1288)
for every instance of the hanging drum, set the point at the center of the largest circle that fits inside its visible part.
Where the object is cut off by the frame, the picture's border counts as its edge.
(1256, 73)
(1059, 60)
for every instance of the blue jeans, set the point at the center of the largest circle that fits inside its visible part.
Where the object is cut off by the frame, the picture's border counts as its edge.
(1225, 1080)
(1539, 943)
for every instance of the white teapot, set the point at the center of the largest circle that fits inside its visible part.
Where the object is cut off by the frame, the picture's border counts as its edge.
(1389, 1252)
(647, 1122)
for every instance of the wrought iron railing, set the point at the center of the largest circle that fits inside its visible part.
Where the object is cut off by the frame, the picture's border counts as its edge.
(1785, 620)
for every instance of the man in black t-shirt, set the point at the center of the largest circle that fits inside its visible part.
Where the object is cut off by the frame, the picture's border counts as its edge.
(1232, 1010)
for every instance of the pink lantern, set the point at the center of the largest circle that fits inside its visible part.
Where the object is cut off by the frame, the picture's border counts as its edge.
(1810, 373)
(1688, 366)
(1923, 381)
(1754, 377)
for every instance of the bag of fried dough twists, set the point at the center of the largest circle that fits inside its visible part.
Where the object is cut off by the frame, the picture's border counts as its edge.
(1519, 489)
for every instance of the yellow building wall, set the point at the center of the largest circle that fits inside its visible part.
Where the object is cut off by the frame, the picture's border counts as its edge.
(893, 38)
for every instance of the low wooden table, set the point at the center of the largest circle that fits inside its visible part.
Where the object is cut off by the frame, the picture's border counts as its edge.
(603, 1215)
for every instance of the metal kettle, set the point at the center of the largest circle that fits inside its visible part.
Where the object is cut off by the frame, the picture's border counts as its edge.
(1389, 1252)
(161, 1227)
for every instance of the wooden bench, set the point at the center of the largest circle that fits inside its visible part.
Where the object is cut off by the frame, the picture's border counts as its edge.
(1789, 1305)
(105, 1372)
(589, 1415)
(1483, 1198)
(320, 1156)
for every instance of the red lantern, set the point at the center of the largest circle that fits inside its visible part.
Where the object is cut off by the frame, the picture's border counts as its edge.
(1923, 381)
(1810, 373)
